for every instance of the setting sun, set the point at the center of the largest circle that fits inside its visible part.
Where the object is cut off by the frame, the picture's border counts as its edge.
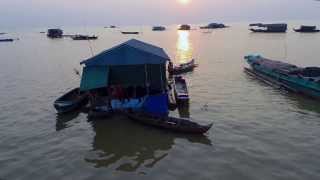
(184, 1)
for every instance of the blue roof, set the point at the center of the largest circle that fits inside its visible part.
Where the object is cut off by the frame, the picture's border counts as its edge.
(132, 52)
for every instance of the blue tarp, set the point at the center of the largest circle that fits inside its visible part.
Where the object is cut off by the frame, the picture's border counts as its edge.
(132, 52)
(156, 104)
(94, 77)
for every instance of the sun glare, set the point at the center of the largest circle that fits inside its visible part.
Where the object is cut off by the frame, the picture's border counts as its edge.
(184, 2)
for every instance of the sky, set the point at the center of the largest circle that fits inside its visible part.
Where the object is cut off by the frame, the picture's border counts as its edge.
(46, 13)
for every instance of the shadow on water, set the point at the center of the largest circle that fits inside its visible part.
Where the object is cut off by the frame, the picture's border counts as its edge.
(63, 119)
(300, 101)
(127, 146)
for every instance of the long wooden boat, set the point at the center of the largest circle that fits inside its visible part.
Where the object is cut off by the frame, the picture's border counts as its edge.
(284, 75)
(183, 68)
(6, 40)
(181, 89)
(129, 32)
(307, 29)
(71, 101)
(269, 28)
(171, 123)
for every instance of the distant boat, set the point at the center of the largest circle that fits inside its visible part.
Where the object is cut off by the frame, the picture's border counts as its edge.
(42, 32)
(158, 28)
(55, 33)
(112, 26)
(84, 37)
(185, 27)
(284, 75)
(129, 32)
(3, 33)
(183, 68)
(307, 29)
(269, 28)
(213, 26)
(6, 40)
(71, 101)
(180, 125)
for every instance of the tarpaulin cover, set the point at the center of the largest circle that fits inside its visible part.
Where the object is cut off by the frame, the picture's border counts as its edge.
(157, 104)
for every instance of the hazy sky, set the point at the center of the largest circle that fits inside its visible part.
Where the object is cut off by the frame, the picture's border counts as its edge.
(44, 13)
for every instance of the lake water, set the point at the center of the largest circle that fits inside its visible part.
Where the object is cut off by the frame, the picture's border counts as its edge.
(259, 132)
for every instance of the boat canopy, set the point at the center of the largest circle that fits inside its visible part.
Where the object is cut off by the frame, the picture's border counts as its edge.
(133, 63)
(306, 28)
(132, 52)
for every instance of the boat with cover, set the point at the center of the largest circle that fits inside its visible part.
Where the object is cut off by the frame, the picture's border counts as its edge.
(181, 89)
(269, 28)
(183, 68)
(307, 29)
(284, 75)
(185, 27)
(171, 123)
(84, 37)
(214, 26)
(71, 101)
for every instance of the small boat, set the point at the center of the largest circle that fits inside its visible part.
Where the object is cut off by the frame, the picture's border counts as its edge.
(3, 33)
(307, 29)
(71, 101)
(213, 26)
(185, 27)
(171, 123)
(158, 28)
(269, 28)
(129, 32)
(183, 68)
(84, 37)
(181, 89)
(6, 40)
(42, 32)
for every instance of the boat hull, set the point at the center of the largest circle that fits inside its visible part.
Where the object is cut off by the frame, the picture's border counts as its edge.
(306, 31)
(277, 81)
(267, 31)
(174, 124)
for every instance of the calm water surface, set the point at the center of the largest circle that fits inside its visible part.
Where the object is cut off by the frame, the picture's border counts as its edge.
(259, 132)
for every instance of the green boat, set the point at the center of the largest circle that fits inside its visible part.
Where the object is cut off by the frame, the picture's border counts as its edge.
(284, 75)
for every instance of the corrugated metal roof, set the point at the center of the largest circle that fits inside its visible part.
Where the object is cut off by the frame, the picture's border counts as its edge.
(121, 54)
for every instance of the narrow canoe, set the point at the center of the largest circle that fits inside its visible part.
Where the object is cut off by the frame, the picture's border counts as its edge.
(171, 123)
(71, 101)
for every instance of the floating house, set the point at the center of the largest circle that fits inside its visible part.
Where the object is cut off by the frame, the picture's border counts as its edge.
(135, 70)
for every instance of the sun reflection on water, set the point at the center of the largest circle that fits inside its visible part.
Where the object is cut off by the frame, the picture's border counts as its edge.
(184, 47)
